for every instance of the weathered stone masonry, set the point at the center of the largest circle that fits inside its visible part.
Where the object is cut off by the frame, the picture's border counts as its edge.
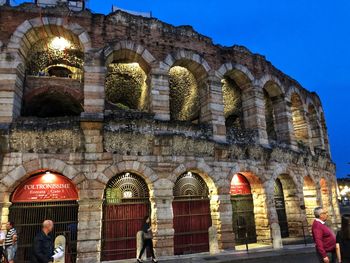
(106, 138)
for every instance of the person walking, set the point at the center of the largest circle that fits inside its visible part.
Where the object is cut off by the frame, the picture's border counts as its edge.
(147, 238)
(324, 237)
(343, 241)
(43, 245)
(10, 243)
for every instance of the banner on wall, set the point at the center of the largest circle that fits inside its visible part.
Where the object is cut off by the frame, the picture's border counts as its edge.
(45, 187)
(240, 185)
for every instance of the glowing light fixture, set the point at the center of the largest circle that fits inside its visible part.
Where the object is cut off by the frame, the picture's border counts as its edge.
(48, 177)
(60, 43)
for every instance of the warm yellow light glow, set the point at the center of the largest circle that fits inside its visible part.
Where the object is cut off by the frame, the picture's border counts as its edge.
(60, 43)
(48, 177)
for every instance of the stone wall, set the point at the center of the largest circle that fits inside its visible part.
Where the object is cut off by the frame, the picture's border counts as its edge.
(105, 141)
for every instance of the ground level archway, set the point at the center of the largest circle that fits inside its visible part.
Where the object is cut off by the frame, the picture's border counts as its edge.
(192, 217)
(243, 218)
(281, 208)
(45, 195)
(126, 203)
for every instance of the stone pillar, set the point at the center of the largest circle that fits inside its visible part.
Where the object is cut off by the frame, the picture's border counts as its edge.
(90, 222)
(162, 217)
(212, 107)
(11, 87)
(94, 87)
(283, 120)
(160, 94)
(221, 214)
(93, 138)
(272, 215)
(253, 105)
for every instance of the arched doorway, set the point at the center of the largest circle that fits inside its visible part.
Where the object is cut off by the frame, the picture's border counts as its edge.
(281, 208)
(192, 218)
(45, 195)
(126, 203)
(243, 219)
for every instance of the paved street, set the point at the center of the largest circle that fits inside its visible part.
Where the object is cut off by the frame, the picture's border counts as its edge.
(290, 254)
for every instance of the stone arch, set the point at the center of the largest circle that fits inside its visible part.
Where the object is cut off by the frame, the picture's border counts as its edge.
(259, 200)
(24, 36)
(201, 169)
(128, 83)
(25, 39)
(129, 51)
(236, 80)
(19, 174)
(188, 88)
(53, 101)
(145, 172)
(14, 177)
(315, 127)
(310, 198)
(277, 126)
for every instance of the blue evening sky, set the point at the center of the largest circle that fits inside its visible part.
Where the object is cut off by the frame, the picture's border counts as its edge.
(306, 39)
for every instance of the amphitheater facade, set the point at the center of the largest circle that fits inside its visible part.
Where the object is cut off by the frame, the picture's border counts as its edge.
(107, 118)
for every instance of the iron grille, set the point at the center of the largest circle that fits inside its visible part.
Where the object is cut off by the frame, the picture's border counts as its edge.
(28, 218)
(190, 186)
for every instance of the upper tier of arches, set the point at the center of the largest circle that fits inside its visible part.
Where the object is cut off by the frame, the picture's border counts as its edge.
(179, 86)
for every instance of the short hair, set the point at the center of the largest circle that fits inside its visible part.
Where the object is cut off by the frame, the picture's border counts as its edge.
(11, 223)
(47, 223)
(317, 211)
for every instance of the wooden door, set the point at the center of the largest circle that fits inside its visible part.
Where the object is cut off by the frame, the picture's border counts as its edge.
(120, 225)
(192, 220)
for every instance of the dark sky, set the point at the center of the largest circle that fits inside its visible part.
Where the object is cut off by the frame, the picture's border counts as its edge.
(307, 39)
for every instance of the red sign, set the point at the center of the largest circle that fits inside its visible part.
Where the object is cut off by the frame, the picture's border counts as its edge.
(45, 187)
(240, 185)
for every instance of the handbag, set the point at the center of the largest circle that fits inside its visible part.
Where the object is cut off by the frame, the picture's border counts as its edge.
(148, 235)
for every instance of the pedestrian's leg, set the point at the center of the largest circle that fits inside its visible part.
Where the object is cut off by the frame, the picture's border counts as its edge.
(143, 249)
(151, 248)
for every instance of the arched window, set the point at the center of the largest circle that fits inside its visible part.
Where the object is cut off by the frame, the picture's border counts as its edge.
(184, 95)
(315, 128)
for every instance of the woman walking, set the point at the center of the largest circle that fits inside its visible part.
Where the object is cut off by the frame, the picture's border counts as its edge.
(343, 241)
(147, 237)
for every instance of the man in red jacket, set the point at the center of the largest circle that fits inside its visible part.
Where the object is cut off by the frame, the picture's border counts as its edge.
(324, 237)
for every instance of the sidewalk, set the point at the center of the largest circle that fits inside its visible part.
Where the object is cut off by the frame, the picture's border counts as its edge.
(289, 254)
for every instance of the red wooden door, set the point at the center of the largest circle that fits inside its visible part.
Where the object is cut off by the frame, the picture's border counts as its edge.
(191, 223)
(121, 223)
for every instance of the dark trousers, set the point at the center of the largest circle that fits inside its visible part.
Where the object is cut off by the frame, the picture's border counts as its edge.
(331, 255)
(147, 243)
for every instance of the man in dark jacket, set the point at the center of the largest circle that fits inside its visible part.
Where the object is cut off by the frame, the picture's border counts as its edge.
(43, 246)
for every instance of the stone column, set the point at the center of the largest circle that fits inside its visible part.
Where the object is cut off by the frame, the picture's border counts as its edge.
(212, 107)
(160, 94)
(272, 215)
(162, 217)
(221, 214)
(11, 86)
(94, 85)
(253, 105)
(89, 231)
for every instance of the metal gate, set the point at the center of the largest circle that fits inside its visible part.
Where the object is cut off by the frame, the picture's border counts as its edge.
(28, 218)
(126, 204)
(281, 208)
(192, 219)
(243, 219)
